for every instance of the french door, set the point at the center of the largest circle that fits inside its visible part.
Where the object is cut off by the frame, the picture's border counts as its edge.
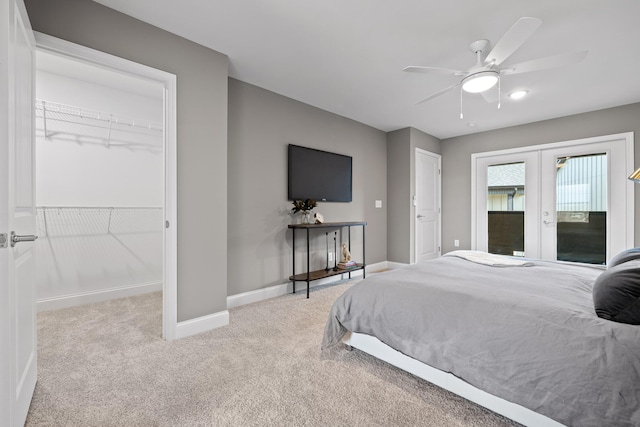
(507, 189)
(568, 201)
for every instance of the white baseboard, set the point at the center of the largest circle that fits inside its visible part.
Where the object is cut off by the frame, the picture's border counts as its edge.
(81, 298)
(287, 288)
(392, 265)
(201, 324)
(258, 295)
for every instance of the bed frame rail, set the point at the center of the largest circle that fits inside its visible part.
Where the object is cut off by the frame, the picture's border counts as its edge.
(450, 382)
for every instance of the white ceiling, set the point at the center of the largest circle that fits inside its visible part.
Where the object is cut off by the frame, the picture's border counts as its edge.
(347, 57)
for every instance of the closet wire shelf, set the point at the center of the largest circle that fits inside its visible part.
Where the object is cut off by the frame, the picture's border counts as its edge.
(62, 113)
(59, 221)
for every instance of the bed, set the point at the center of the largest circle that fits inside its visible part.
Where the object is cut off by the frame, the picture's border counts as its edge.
(520, 337)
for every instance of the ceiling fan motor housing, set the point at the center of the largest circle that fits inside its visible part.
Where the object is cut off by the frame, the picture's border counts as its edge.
(479, 46)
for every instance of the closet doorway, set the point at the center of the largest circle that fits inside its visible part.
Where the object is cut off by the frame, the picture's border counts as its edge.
(105, 179)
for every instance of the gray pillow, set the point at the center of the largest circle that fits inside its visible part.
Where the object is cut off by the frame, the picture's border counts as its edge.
(624, 256)
(616, 293)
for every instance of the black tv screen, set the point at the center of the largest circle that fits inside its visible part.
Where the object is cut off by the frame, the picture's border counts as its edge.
(319, 175)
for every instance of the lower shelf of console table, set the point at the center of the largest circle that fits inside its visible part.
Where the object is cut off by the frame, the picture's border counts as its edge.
(310, 276)
(321, 274)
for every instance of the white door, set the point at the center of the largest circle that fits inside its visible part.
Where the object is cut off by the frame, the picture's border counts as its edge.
(496, 178)
(578, 205)
(585, 197)
(427, 221)
(17, 214)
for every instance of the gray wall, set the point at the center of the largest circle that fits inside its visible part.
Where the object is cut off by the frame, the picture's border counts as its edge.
(399, 195)
(202, 133)
(401, 153)
(261, 125)
(456, 159)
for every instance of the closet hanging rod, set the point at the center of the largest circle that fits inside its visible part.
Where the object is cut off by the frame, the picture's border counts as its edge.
(138, 131)
(107, 118)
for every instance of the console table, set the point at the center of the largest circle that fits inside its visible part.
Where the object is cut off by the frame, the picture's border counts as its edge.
(310, 276)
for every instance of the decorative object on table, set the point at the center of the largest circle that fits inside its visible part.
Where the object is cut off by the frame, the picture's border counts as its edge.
(319, 219)
(346, 262)
(306, 218)
(326, 235)
(304, 206)
(346, 255)
(335, 252)
(347, 265)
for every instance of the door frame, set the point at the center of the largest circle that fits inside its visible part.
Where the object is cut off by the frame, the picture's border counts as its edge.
(415, 217)
(58, 46)
(627, 229)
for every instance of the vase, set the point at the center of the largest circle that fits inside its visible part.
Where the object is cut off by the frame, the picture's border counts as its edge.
(306, 217)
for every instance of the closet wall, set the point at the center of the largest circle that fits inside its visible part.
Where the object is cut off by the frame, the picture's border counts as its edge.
(99, 184)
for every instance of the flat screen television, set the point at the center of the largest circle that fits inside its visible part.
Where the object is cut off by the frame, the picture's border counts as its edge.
(318, 175)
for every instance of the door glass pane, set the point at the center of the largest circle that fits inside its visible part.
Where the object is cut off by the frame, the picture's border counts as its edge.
(505, 205)
(581, 204)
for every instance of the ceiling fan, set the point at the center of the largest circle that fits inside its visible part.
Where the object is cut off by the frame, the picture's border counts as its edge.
(487, 71)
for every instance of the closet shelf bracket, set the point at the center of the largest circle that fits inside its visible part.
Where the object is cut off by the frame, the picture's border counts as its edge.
(109, 135)
(109, 224)
(46, 228)
(44, 119)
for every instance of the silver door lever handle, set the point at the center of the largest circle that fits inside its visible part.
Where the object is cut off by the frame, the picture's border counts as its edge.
(549, 222)
(16, 238)
(420, 216)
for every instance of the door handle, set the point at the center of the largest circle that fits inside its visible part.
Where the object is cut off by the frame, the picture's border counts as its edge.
(420, 216)
(16, 238)
(548, 222)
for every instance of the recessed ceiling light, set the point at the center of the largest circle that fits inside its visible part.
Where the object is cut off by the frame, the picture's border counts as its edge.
(518, 94)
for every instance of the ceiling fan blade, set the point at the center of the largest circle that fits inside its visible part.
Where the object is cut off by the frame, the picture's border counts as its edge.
(436, 70)
(512, 40)
(438, 93)
(491, 95)
(545, 63)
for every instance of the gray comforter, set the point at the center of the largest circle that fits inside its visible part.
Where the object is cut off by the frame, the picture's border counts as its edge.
(528, 334)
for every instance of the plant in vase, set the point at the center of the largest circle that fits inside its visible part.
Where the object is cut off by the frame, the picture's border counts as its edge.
(304, 206)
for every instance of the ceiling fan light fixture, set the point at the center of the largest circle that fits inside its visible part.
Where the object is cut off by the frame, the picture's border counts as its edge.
(480, 82)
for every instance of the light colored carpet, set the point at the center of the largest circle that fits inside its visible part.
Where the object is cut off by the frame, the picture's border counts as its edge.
(105, 364)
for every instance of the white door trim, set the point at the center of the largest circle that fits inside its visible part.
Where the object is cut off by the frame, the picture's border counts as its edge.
(168, 81)
(414, 256)
(627, 137)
